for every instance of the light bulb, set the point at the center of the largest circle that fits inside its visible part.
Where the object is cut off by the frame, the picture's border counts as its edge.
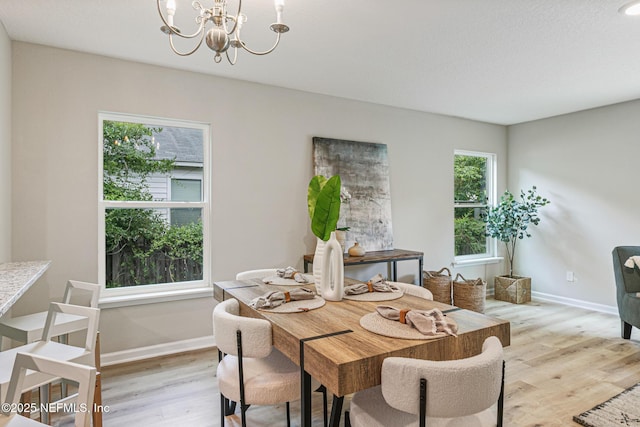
(631, 9)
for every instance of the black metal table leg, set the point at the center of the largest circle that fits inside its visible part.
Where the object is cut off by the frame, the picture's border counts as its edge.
(336, 411)
(305, 403)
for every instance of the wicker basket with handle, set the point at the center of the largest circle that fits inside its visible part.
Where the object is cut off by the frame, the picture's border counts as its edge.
(439, 284)
(469, 294)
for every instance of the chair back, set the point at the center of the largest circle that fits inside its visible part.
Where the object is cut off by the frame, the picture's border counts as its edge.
(455, 388)
(84, 375)
(92, 289)
(256, 333)
(414, 290)
(627, 279)
(256, 274)
(92, 314)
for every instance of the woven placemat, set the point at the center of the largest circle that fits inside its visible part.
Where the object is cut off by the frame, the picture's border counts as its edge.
(377, 324)
(281, 281)
(297, 306)
(376, 296)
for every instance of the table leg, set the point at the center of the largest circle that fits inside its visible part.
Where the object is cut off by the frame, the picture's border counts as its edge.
(394, 271)
(336, 411)
(306, 266)
(305, 403)
(420, 266)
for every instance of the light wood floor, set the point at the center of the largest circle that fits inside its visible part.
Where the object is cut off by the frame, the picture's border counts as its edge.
(562, 361)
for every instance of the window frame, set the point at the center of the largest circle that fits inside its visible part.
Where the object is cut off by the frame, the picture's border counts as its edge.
(491, 185)
(161, 291)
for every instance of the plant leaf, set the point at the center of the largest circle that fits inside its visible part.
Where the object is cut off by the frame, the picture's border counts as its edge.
(327, 209)
(315, 186)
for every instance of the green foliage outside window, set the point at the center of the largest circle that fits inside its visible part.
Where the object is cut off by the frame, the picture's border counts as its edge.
(141, 247)
(470, 179)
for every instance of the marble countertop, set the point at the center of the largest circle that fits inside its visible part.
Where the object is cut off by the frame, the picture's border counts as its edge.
(16, 278)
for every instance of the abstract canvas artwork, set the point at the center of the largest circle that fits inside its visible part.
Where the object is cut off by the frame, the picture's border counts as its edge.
(364, 170)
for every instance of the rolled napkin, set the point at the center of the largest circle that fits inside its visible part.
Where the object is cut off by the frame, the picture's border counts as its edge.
(289, 273)
(427, 322)
(376, 284)
(632, 261)
(276, 298)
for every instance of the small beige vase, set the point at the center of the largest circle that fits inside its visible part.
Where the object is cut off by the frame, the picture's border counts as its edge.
(356, 250)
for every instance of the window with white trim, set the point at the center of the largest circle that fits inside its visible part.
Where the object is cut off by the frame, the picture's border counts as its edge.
(474, 190)
(153, 204)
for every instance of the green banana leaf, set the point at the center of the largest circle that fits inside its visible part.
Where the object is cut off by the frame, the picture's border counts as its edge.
(327, 209)
(315, 186)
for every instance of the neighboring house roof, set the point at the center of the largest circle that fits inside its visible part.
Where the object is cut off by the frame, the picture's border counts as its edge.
(184, 145)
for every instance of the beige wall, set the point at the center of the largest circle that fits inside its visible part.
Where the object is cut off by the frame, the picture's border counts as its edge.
(587, 164)
(262, 162)
(5, 146)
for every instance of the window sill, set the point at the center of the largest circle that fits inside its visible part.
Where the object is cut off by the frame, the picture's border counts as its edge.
(154, 297)
(477, 261)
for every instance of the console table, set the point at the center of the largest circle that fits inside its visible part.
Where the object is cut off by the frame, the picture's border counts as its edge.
(390, 257)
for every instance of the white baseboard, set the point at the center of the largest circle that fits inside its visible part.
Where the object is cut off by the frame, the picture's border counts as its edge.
(575, 302)
(151, 351)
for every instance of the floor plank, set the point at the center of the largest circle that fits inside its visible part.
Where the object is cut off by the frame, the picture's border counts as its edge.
(562, 361)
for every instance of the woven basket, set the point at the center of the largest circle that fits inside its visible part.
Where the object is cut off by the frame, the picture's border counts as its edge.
(469, 294)
(439, 284)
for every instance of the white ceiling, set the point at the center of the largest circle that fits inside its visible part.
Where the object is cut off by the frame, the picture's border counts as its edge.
(498, 61)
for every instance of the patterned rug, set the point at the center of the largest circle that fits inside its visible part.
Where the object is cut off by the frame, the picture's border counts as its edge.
(620, 410)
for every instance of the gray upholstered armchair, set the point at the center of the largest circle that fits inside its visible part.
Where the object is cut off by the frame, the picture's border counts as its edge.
(627, 288)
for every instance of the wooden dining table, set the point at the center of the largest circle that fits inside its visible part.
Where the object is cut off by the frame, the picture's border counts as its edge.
(329, 344)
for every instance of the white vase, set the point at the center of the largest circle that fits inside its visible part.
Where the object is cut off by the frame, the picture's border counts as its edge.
(318, 256)
(332, 273)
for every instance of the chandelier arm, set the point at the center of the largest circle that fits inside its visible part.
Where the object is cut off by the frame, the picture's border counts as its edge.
(244, 46)
(172, 28)
(177, 52)
(235, 19)
(235, 56)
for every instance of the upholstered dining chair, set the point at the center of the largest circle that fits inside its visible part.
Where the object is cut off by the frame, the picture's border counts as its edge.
(450, 393)
(256, 274)
(251, 371)
(84, 375)
(84, 355)
(414, 290)
(28, 328)
(627, 289)
(266, 272)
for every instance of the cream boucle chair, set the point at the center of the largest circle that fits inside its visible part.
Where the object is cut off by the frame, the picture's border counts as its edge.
(256, 274)
(416, 291)
(457, 393)
(252, 372)
(266, 272)
(84, 375)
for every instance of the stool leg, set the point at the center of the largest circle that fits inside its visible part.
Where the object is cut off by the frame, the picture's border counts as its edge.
(96, 415)
(44, 400)
(63, 339)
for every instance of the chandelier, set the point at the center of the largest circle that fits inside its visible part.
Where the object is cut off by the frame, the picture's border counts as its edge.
(225, 32)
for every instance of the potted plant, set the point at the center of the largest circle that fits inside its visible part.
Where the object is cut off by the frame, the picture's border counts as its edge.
(508, 222)
(323, 201)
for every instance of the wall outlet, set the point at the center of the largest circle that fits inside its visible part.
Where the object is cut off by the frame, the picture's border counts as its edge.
(570, 276)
